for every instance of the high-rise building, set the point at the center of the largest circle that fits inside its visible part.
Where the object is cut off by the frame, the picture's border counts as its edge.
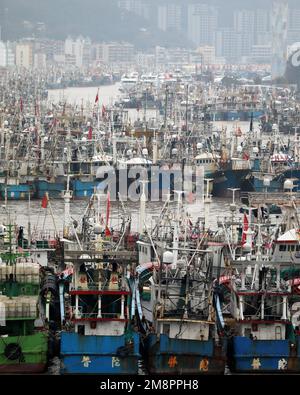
(293, 34)
(244, 24)
(3, 21)
(52, 48)
(169, 17)
(262, 34)
(3, 54)
(11, 50)
(24, 55)
(40, 61)
(202, 23)
(97, 52)
(228, 44)
(160, 56)
(138, 7)
(261, 53)
(208, 54)
(294, 19)
(116, 52)
(80, 49)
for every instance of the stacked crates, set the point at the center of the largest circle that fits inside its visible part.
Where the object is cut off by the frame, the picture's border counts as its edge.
(19, 307)
(25, 270)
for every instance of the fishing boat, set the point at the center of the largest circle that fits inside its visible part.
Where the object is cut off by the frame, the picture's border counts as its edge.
(264, 340)
(184, 335)
(23, 329)
(258, 282)
(98, 334)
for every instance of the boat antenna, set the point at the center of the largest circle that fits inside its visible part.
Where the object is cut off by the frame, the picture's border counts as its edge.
(29, 222)
(207, 203)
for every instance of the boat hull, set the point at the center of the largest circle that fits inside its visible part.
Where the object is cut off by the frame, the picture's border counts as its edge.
(177, 356)
(227, 179)
(54, 189)
(98, 354)
(263, 356)
(83, 189)
(16, 192)
(31, 359)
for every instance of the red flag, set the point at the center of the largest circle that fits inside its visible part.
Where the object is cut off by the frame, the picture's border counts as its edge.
(245, 228)
(107, 231)
(45, 201)
(107, 209)
(90, 135)
(97, 97)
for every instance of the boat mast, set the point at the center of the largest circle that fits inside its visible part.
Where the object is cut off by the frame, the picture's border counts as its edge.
(67, 194)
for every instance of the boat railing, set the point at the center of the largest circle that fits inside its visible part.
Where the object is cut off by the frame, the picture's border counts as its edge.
(103, 285)
(46, 236)
(267, 317)
(79, 314)
(214, 239)
(277, 198)
(240, 164)
(98, 287)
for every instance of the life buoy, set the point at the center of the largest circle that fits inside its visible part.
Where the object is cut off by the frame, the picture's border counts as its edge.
(13, 351)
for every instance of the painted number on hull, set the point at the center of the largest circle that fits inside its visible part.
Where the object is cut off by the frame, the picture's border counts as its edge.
(282, 364)
(115, 362)
(204, 365)
(172, 362)
(86, 361)
(256, 364)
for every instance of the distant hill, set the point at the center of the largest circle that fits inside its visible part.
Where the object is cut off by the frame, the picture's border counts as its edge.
(101, 20)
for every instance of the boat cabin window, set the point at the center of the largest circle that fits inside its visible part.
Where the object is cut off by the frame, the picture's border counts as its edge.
(277, 332)
(81, 330)
(282, 247)
(166, 329)
(248, 332)
(291, 248)
(297, 247)
(200, 161)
